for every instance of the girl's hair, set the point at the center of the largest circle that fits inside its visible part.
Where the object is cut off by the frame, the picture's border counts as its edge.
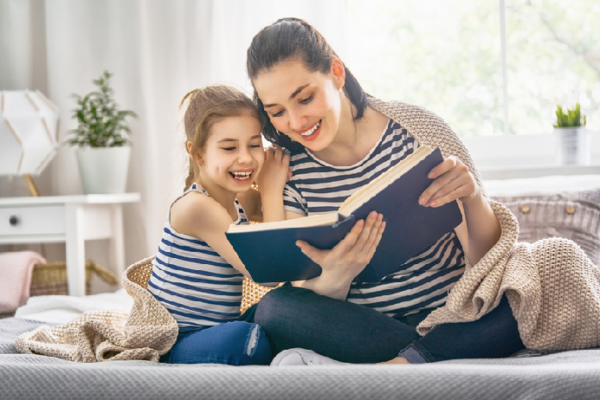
(205, 107)
(293, 38)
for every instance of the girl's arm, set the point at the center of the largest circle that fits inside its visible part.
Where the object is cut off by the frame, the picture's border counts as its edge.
(202, 217)
(271, 182)
(480, 229)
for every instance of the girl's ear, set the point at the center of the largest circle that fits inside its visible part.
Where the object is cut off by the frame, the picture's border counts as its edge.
(339, 72)
(196, 158)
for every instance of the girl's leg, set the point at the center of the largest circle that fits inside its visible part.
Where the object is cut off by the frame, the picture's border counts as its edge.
(494, 335)
(233, 343)
(296, 317)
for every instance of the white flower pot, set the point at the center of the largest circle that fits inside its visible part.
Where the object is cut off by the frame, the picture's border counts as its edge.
(103, 169)
(573, 146)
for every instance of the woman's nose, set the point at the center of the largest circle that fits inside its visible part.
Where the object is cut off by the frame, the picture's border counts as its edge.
(297, 121)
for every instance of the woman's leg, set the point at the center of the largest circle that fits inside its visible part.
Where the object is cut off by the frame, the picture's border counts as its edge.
(494, 335)
(296, 317)
(233, 343)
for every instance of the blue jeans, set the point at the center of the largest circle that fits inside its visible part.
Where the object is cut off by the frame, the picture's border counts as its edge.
(296, 317)
(234, 343)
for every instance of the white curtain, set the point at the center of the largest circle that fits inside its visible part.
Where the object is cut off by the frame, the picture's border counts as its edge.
(158, 50)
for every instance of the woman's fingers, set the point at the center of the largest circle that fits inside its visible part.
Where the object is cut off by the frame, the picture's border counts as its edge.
(372, 224)
(452, 180)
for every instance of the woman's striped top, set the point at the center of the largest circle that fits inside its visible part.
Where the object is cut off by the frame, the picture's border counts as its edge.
(317, 187)
(196, 285)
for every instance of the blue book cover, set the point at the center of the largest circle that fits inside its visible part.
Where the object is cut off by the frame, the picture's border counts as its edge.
(270, 254)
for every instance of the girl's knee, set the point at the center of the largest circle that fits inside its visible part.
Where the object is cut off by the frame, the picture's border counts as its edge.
(233, 343)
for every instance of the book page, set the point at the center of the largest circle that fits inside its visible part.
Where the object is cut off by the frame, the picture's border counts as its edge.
(313, 220)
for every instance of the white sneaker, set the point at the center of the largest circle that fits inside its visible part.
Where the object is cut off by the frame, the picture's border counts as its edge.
(299, 356)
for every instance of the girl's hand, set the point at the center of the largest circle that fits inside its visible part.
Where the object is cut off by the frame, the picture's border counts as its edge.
(347, 259)
(452, 181)
(275, 172)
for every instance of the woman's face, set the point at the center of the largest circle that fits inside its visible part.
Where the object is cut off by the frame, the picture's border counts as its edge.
(302, 104)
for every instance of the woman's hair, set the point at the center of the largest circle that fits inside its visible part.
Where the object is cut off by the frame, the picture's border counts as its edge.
(205, 107)
(293, 38)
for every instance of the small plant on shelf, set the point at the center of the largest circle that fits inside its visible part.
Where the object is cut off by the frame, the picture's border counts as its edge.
(571, 119)
(100, 122)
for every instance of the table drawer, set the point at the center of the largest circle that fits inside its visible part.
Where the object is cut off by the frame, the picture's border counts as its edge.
(45, 220)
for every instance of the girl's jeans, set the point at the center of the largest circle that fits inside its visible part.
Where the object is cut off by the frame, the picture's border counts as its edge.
(296, 317)
(234, 343)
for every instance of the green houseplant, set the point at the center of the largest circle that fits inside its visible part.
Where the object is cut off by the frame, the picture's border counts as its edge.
(101, 137)
(573, 138)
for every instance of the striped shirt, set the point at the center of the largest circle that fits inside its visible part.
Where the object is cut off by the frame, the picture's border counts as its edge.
(196, 285)
(317, 187)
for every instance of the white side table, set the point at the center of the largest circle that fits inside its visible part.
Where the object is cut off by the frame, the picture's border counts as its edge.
(69, 219)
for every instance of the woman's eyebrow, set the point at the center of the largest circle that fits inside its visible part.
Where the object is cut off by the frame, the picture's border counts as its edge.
(291, 96)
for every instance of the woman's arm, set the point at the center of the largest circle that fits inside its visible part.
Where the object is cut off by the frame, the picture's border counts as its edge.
(480, 229)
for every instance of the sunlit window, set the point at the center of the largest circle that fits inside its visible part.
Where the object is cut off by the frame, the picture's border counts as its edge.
(446, 56)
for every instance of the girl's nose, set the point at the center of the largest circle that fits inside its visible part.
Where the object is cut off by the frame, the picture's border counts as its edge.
(244, 156)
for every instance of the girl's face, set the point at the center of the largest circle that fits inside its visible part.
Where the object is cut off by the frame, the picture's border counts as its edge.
(233, 154)
(302, 104)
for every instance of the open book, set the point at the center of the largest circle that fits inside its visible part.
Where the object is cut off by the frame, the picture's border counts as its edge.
(269, 252)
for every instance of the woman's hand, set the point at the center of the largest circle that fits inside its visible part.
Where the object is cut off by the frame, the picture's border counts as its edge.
(480, 229)
(452, 181)
(347, 259)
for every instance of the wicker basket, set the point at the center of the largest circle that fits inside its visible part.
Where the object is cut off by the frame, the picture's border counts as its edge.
(51, 278)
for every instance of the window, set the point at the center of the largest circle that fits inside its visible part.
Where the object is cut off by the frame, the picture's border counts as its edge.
(446, 55)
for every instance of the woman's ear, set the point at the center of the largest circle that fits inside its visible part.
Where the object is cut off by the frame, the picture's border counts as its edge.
(339, 72)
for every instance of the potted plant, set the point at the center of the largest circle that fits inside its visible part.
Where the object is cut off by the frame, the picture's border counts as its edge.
(102, 138)
(572, 137)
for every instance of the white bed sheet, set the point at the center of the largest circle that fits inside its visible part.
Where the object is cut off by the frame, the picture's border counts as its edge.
(62, 309)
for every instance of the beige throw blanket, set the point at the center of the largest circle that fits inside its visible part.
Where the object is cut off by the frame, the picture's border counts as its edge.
(145, 333)
(552, 287)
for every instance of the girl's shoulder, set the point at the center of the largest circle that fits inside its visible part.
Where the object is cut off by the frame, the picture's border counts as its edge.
(196, 214)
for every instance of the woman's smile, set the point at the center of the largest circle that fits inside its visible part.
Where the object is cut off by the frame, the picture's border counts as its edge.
(311, 133)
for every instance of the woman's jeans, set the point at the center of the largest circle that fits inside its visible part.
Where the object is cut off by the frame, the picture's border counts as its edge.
(235, 343)
(296, 317)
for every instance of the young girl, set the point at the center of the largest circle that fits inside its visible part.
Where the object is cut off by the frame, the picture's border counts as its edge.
(196, 274)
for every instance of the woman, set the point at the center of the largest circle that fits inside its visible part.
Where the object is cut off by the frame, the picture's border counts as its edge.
(340, 139)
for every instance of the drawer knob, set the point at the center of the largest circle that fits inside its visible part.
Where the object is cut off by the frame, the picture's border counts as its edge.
(570, 210)
(13, 220)
(525, 208)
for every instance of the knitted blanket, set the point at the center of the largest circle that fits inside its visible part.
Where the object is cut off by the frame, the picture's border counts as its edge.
(145, 333)
(552, 286)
